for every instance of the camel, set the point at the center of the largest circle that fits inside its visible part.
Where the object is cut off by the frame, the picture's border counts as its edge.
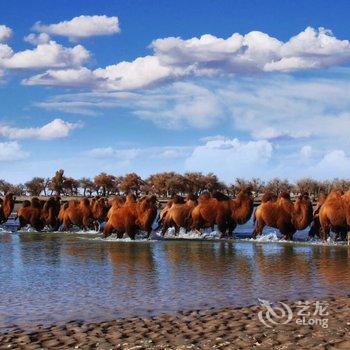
(219, 209)
(99, 208)
(31, 214)
(334, 214)
(241, 209)
(131, 216)
(76, 213)
(50, 212)
(282, 214)
(6, 206)
(178, 213)
(315, 225)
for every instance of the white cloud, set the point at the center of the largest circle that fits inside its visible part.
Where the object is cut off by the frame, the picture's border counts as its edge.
(175, 106)
(208, 56)
(165, 152)
(254, 52)
(5, 33)
(57, 128)
(37, 39)
(276, 107)
(10, 151)
(49, 55)
(334, 164)
(306, 151)
(64, 77)
(81, 27)
(231, 158)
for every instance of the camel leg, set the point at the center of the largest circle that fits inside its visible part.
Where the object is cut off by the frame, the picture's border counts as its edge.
(165, 227)
(107, 230)
(258, 229)
(131, 232)
(231, 228)
(349, 238)
(222, 227)
(325, 232)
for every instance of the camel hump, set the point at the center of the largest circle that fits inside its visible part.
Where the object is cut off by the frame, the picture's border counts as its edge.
(268, 197)
(220, 196)
(191, 197)
(204, 196)
(178, 200)
(35, 203)
(9, 196)
(26, 203)
(285, 195)
(130, 198)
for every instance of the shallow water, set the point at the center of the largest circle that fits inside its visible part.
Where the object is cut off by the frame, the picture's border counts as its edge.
(50, 278)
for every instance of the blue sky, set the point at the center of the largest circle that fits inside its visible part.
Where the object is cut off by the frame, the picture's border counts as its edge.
(239, 88)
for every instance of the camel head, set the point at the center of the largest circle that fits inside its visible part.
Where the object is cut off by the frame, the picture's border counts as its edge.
(100, 208)
(302, 214)
(146, 211)
(7, 205)
(242, 206)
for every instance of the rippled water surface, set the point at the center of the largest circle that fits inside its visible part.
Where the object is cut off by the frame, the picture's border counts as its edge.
(51, 278)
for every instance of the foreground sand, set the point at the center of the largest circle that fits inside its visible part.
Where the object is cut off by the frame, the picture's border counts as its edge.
(225, 328)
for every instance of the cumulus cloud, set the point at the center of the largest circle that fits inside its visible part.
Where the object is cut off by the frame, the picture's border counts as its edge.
(37, 39)
(48, 55)
(81, 27)
(10, 151)
(231, 158)
(254, 52)
(64, 77)
(5, 33)
(57, 128)
(334, 164)
(208, 56)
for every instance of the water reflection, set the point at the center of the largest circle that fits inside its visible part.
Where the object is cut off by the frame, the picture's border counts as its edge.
(52, 278)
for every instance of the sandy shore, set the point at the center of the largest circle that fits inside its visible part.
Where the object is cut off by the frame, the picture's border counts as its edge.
(225, 328)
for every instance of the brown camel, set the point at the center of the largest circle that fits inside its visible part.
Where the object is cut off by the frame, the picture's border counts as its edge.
(282, 214)
(178, 213)
(31, 214)
(219, 209)
(99, 208)
(131, 216)
(211, 210)
(241, 209)
(334, 214)
(76, 213)
(315, 225)
(50, 212)
(6, 206)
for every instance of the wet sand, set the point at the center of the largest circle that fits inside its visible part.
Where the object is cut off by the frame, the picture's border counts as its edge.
(224, 328)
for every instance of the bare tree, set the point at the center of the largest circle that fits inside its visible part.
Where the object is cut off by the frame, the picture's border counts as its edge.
(35, 186)
(131, 183)
(56, 184)
(278, 186)
(104, 183)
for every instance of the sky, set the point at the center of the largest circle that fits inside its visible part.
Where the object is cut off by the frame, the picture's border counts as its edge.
(239, 88)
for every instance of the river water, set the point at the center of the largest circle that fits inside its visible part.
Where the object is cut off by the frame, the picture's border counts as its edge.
(48, 278)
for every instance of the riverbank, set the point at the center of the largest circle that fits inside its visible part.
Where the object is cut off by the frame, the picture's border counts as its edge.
(224, 328)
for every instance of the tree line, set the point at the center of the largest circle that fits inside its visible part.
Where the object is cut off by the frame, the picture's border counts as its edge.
(164, 185)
